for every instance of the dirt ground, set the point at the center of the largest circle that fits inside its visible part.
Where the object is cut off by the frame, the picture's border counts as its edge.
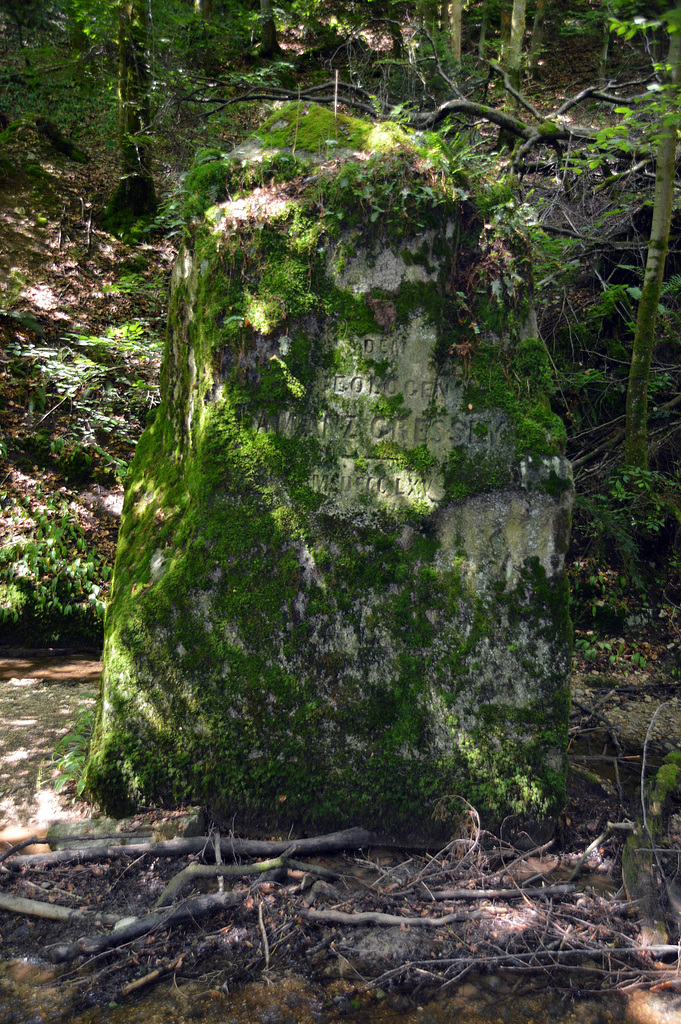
(38, 699)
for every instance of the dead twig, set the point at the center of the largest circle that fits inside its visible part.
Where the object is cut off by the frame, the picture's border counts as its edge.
(263, 934)
(150, 979)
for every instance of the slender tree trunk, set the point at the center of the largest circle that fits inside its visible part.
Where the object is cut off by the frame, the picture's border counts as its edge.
(455, 15)
(605, 49)
(204, 8)
(483, 29)
(428, 15)
(511, 59)
(505, 31)
(135, 195)
(269, 46)
(537, 33)
(515, 46)
(635, 443)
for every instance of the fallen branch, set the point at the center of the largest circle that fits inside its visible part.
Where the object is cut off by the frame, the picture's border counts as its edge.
(195, 870)
(375, 917)
(20, 846)
(350, 839)
(500, 894)
(90, 945)
(52, 911)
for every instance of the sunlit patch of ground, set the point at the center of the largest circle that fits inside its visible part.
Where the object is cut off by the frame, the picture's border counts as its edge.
(35, 712)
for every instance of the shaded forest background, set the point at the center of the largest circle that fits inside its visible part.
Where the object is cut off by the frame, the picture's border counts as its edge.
(85, 261)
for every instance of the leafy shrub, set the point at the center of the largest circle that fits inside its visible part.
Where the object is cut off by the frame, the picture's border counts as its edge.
(631, 518)
(71, 752)
(41, 571)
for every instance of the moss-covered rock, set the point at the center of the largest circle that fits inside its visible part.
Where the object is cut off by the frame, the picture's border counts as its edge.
(339, 593)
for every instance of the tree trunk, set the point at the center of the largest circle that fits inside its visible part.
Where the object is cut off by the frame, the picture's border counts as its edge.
(204, 8)
(515, 46)
(269, 46)
(635, 443)
(483, 29)
(428, 15)
(455, 28)
(511, 56)
(537, 33)
(605, 49)
(135, 196)
(505, 31)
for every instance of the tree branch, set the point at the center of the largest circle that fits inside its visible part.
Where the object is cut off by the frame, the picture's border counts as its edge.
(350, 839)
(515, 92)
(90, 945)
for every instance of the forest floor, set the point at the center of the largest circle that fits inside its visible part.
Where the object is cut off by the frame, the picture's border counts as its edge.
(501, 928)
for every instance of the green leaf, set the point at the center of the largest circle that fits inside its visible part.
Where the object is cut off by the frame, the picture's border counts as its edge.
(634, 291)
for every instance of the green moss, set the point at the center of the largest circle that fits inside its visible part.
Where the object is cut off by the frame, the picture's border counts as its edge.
(666, 781)
(531, 365)
(520, 386)
(36, 171)
(314, 129)
(283, 656)
(215, 178)
(467, 473)
(549, 128)
(492, 195)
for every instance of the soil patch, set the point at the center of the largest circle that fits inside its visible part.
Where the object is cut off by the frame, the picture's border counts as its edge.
(39, 698)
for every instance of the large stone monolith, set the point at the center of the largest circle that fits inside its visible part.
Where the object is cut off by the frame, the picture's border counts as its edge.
(339, 594)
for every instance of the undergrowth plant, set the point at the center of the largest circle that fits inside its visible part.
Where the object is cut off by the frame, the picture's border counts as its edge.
(590, 648)
(50, 564)
(71, 751)
(105, 385)
(619, 528)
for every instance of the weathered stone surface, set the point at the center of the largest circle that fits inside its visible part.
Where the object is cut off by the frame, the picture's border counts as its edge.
(339, 593)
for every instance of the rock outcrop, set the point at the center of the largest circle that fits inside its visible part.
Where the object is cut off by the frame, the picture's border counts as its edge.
(339, 594)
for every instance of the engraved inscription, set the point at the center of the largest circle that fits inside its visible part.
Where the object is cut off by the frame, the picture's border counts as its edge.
(414, 389)
(284, 422)
(366, 414)
(390, 345)
(476, 432)
(374, 479)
